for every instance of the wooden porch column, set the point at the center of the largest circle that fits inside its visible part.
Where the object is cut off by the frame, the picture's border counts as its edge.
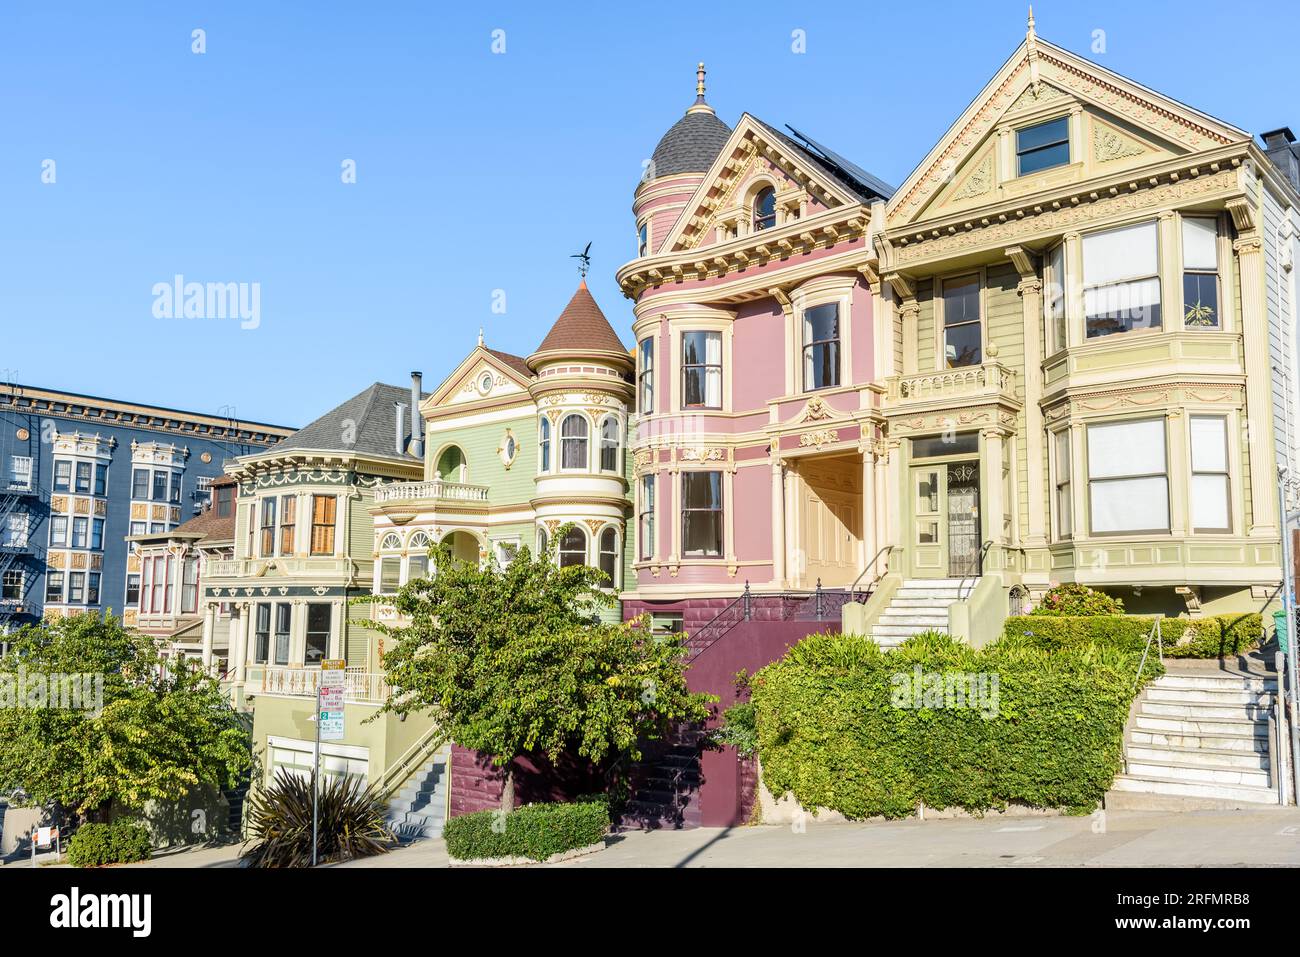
(1031, 302)
(991, 482)
(209, 624)
(778, 522)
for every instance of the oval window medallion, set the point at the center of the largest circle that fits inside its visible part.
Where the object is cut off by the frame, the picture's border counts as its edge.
(485, 383)
(509, 449)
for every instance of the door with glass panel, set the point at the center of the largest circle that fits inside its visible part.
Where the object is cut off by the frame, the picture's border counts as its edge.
(945, 520)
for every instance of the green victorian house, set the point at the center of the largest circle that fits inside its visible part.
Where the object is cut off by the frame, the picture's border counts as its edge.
(505, 453)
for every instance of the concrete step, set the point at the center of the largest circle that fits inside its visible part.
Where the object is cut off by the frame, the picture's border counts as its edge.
(1194, 789)
(1184, 770)
(1216, 682)
(904, 631)
(1240, 726)
(937, 582)
(1207, 696)
(1182, 754)
(1256, 743)
(892, 617)
(948, 595)
(1202, 712)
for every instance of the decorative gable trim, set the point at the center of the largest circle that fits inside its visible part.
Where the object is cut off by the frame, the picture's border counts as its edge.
(1037, 73)
(468, 372)
(748, 148)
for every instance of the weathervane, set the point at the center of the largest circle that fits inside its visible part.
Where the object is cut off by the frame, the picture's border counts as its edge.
(584, 261)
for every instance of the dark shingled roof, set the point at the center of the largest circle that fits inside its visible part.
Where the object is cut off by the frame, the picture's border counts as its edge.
(582, 327)
(370, 418)
(691, 145)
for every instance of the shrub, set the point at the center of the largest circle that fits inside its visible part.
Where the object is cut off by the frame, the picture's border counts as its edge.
(1049, 733)
(350, 822)
(1072, 598)
(535, 831)
(1213, 637)
(121, 842)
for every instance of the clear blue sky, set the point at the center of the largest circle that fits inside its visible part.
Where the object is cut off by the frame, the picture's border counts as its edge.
(475, 171)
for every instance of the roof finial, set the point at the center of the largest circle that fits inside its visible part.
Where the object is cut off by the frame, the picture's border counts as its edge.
(1031, 47)
(700, 105)
(480, 335)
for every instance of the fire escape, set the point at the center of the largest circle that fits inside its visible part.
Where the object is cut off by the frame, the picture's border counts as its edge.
(19, 499)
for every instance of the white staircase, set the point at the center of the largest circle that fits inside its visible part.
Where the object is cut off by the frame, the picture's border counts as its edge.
(418, 809)
(920, 604)
(1200, 737)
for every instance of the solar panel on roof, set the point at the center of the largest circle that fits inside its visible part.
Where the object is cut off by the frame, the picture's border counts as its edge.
(871, 184)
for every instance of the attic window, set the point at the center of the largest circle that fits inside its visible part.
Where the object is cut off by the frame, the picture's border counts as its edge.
(1043, 146)
(764, 209)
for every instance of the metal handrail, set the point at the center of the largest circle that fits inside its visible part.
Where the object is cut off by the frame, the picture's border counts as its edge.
(431, 740)
(853, 589)
(1160, 650)
(979, 568)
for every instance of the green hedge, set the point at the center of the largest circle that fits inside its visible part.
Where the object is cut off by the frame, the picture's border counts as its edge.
(121, 842)
(535, 831)
(1215, 637)
(831, 732)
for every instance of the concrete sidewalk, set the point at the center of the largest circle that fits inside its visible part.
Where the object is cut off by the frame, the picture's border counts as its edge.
(1267, 837)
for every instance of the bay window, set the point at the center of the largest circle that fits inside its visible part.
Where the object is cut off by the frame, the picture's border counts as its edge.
(646, 377)
(322, 524)
(159, 486)
(609, 555)
(283, 621)
(262, 635)
(77, 588)
(288, 522)
(54, 588)
(1064, 506)
(701, 370)
(84, 470)
(101, 479)
(390, 574)
(1128, 481)
(1121, 280)
(268, 526)
(62, 475)
(140, 483)
(646, 518)
(132, 591)
(1200, 273)
(702, 514)
(92, 588)
(821, 346)
(318, 633)
(544, 445)
(963, 337)
(573, 547)
(1054, 290)
(573, 442)
(609, 444)
(190, 586)
(1210, 483)
(58, 530)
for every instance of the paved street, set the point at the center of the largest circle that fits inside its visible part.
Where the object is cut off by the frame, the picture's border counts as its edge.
(1269, 837)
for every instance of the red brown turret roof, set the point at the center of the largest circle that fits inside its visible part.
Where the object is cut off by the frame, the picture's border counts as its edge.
(582, 328)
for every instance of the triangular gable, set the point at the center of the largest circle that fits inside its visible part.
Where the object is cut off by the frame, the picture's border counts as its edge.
(466, 383)
(1124, 122)
(752, 153)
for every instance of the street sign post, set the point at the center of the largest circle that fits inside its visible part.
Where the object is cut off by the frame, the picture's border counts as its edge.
(329, 727)
(45, 838)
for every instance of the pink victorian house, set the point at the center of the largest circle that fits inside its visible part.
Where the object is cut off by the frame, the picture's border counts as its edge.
(758, 368)
(756, 439)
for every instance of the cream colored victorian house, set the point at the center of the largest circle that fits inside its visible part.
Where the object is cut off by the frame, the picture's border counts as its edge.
(1089, 292)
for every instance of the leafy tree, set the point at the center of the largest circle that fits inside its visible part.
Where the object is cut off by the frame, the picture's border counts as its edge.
(515, 660)
(146, 732)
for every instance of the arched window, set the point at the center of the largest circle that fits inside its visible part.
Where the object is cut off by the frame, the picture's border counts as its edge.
(543, 543)
(573, 442)
(390, 566)
(544, 445)
(609, 444)
(609, 555)
(417, 565)
(764, 209)
(451, 465)
(573, 547)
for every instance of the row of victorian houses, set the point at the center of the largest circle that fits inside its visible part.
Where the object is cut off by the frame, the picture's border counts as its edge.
(1062, 351)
